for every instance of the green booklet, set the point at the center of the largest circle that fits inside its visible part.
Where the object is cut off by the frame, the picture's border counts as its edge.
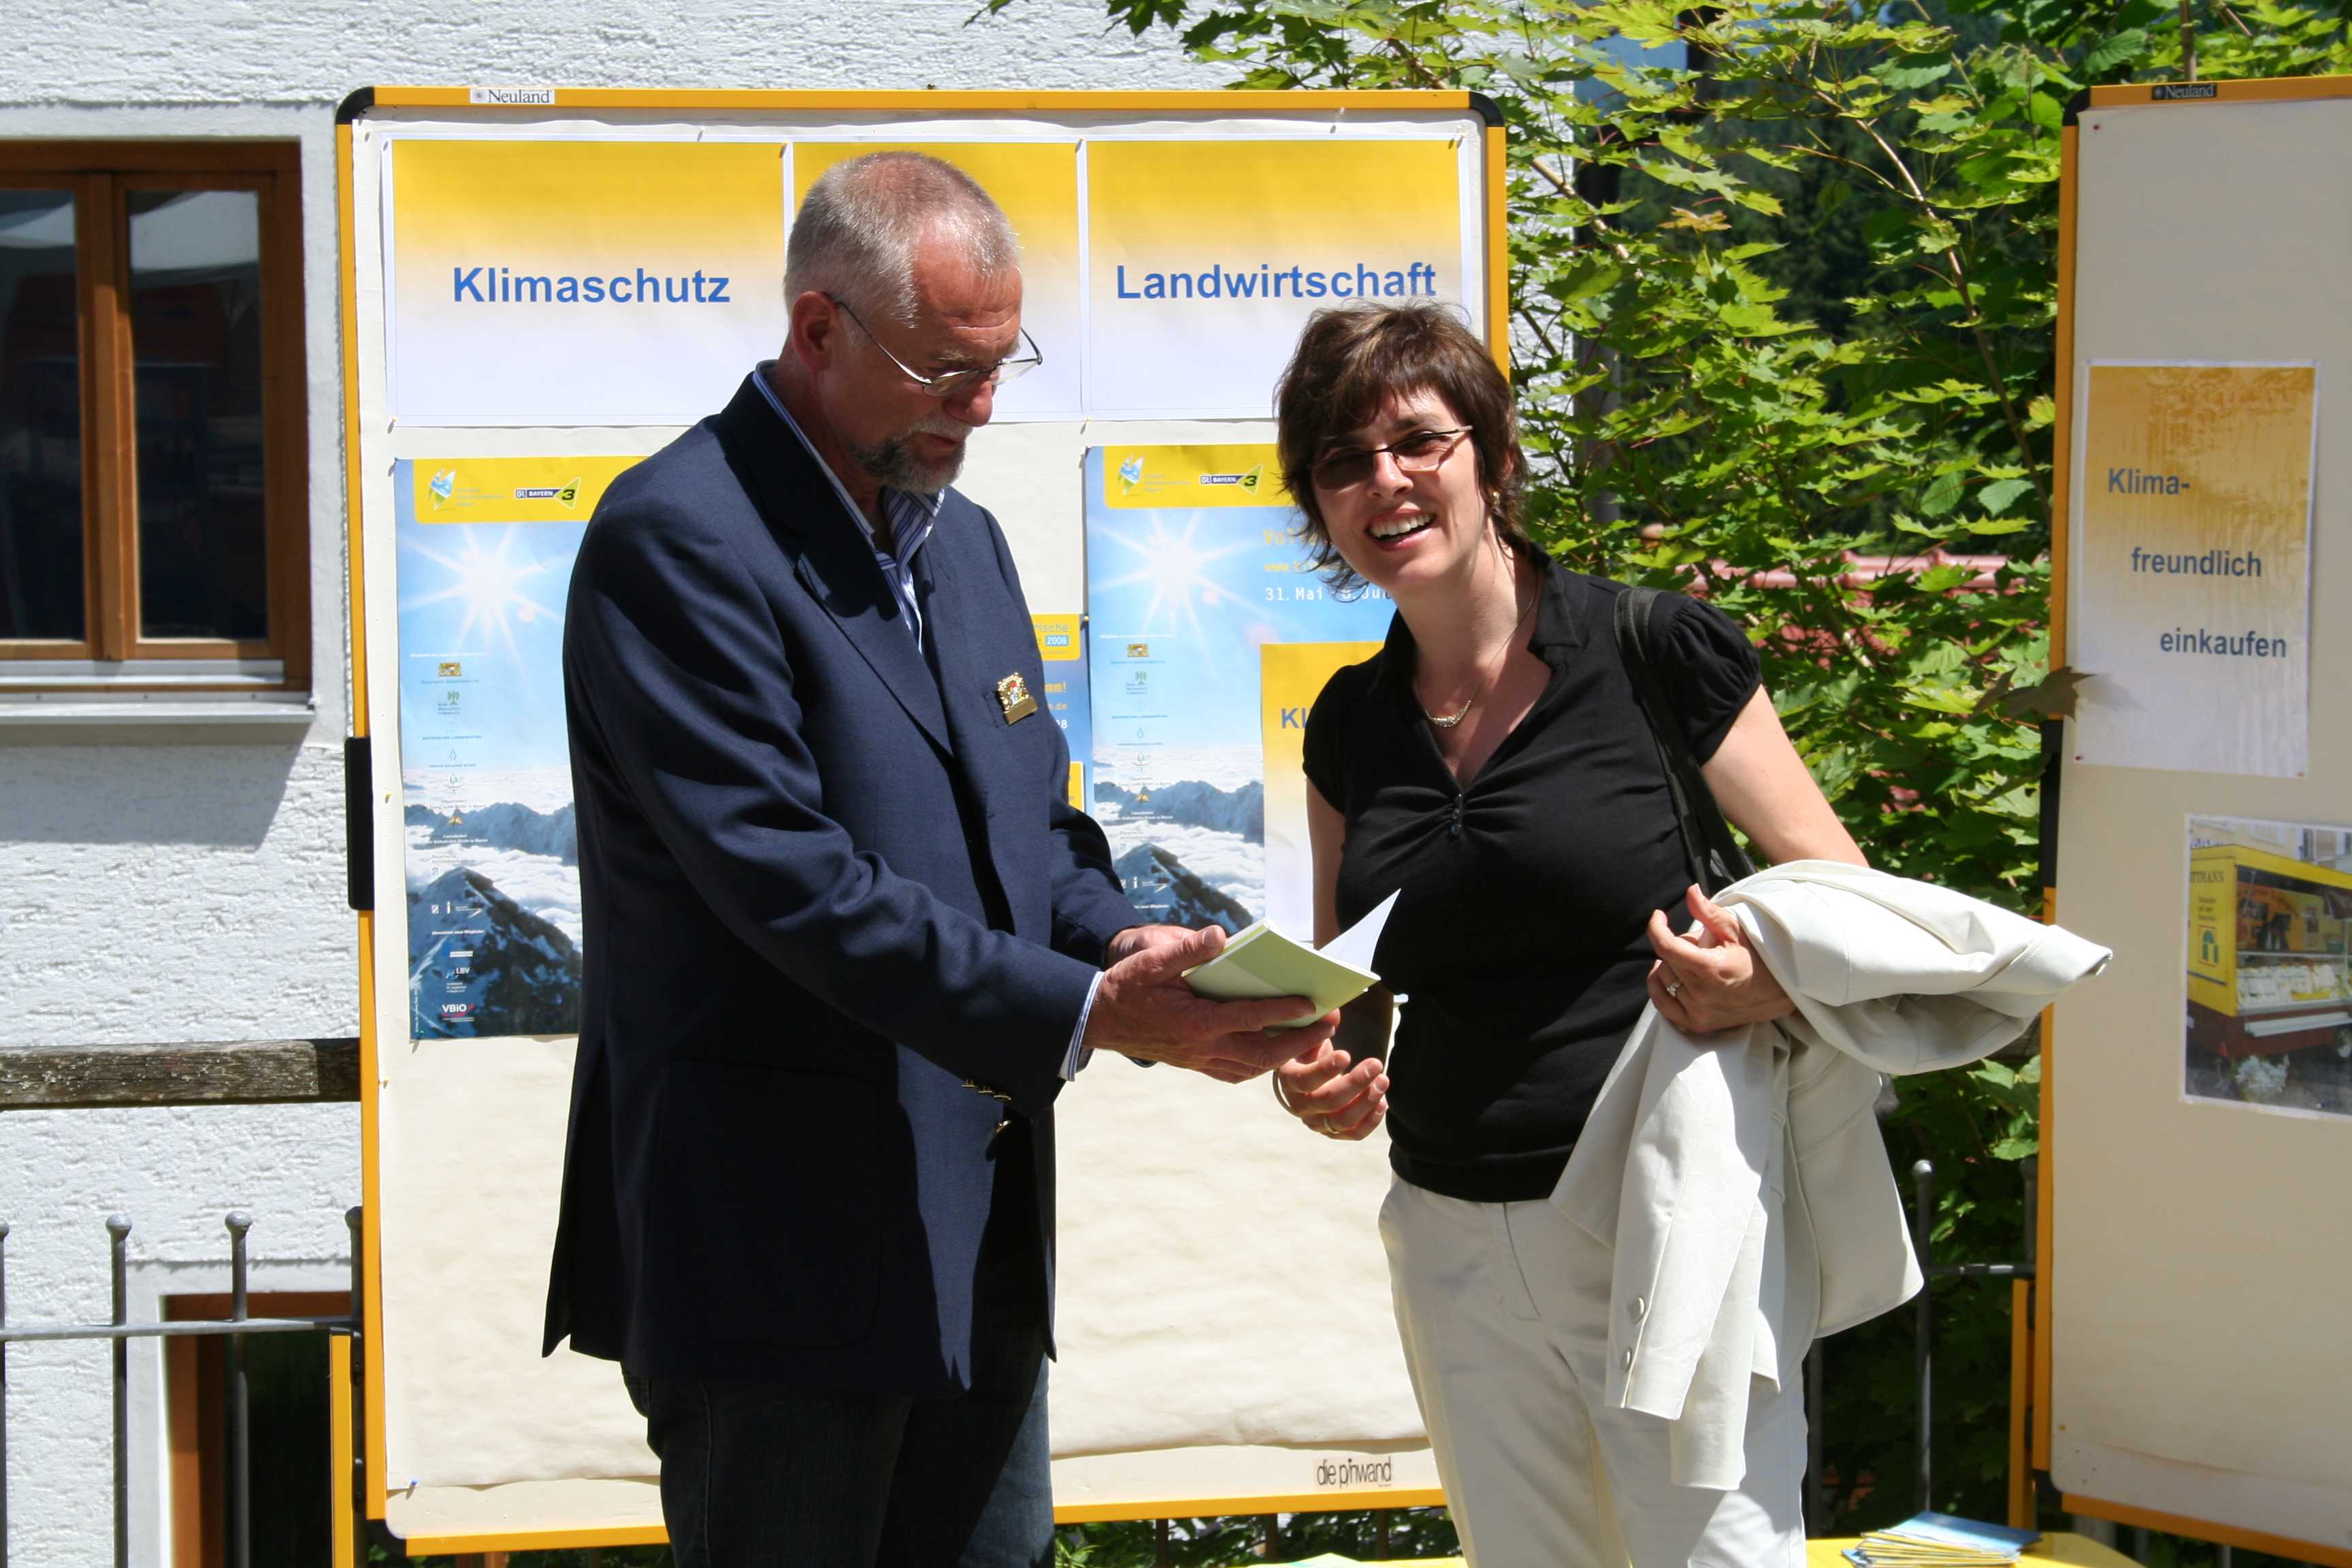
(1262, 961)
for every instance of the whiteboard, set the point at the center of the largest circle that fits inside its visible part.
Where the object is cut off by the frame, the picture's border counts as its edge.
(1223, 1319)
(2198, 1248)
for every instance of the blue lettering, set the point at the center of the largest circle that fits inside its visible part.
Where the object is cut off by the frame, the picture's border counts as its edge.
(592, 290)
(648, 288)
(620, 281)
(466, 282)
(718, 290)
(567, 290)
(1361, 279)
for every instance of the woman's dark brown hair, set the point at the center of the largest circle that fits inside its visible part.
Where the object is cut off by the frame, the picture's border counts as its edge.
(1349, 362)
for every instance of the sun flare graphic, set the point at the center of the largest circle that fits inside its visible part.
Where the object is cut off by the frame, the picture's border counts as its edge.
(494, 589)
(1179, 568)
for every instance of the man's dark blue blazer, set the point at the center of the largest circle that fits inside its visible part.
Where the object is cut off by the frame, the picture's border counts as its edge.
(841, 924)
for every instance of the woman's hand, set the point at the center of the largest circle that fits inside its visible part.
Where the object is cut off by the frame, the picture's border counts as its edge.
(1334, 1099)
(1712, 981)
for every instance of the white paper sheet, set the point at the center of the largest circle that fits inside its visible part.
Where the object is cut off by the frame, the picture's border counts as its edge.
(1355, 945)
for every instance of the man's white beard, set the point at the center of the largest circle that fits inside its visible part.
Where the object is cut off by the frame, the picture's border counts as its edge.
(892, 461)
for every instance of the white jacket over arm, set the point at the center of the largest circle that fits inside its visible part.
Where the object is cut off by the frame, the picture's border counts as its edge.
(1739, 1177)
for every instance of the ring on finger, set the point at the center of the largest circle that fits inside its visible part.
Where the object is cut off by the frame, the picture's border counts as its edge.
(1674, 987)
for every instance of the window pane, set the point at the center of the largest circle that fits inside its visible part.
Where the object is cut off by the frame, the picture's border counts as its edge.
(195, 338)
(40, 419)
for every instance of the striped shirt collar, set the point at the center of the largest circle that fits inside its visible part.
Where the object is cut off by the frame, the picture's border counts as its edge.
(911, 513)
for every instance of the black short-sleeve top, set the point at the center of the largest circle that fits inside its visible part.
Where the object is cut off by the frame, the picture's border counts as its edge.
(1519, 940)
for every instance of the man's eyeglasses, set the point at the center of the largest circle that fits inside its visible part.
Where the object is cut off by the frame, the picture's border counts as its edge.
(1418, 453)
(953, 383)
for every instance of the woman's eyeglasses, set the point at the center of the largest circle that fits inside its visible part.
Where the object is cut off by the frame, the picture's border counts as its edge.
(1418, 453)
(953, 383)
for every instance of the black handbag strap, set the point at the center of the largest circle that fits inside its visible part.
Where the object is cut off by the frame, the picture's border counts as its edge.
(1713, 856)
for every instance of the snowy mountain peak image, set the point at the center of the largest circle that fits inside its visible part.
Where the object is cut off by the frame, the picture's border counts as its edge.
(1162, 889)
(1193, 804)
(480, 964)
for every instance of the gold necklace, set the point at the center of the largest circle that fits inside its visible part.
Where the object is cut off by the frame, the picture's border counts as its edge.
(1448, 721)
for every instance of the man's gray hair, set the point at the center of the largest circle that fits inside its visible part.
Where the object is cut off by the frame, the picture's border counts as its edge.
(860, 224)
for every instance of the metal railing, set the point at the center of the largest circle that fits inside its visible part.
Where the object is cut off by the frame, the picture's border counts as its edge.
(119, 1330)
(1922, 1223)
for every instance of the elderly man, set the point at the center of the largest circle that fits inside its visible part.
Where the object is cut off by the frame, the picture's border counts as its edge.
(845, 940)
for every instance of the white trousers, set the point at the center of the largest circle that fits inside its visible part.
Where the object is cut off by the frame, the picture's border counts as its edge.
(1503, 1310)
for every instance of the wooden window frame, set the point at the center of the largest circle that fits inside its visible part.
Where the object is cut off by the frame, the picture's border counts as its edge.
(100, 175)
(196, 1402)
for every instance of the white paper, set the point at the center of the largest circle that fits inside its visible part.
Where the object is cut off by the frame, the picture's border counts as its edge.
(1355, 945)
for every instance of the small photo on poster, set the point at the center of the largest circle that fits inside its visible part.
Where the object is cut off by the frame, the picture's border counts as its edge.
(2269, 1015)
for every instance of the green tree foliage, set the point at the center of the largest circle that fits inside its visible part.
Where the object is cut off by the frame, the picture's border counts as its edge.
(1397, 1534)
(1784, 280)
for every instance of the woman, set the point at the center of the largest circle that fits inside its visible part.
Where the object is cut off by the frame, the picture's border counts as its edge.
(1492, 762)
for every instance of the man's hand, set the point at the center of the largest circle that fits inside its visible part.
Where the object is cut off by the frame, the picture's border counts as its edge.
(1143, 939)
(1711, 981)
(1144, 1009)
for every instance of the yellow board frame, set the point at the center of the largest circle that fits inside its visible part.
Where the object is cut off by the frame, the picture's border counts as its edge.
(1211, 102)
(2035, 1376)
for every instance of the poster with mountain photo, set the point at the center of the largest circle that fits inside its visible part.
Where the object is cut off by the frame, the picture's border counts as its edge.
(484, 549)
(1194, 569)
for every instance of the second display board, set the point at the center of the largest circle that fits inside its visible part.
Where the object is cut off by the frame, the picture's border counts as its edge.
(2190, 1353)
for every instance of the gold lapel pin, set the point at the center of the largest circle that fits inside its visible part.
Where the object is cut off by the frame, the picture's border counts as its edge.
(1012, 696)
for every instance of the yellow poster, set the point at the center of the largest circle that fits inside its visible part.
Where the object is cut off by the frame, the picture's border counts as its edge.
(1036, 184)
(1061, 649)
(512, 489)
(1205, 258)
(1290, 676)
(2191, 567)
(579, 282)
(1234, 474)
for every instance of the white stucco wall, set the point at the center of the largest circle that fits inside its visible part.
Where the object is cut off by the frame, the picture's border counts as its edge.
(152, 888)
